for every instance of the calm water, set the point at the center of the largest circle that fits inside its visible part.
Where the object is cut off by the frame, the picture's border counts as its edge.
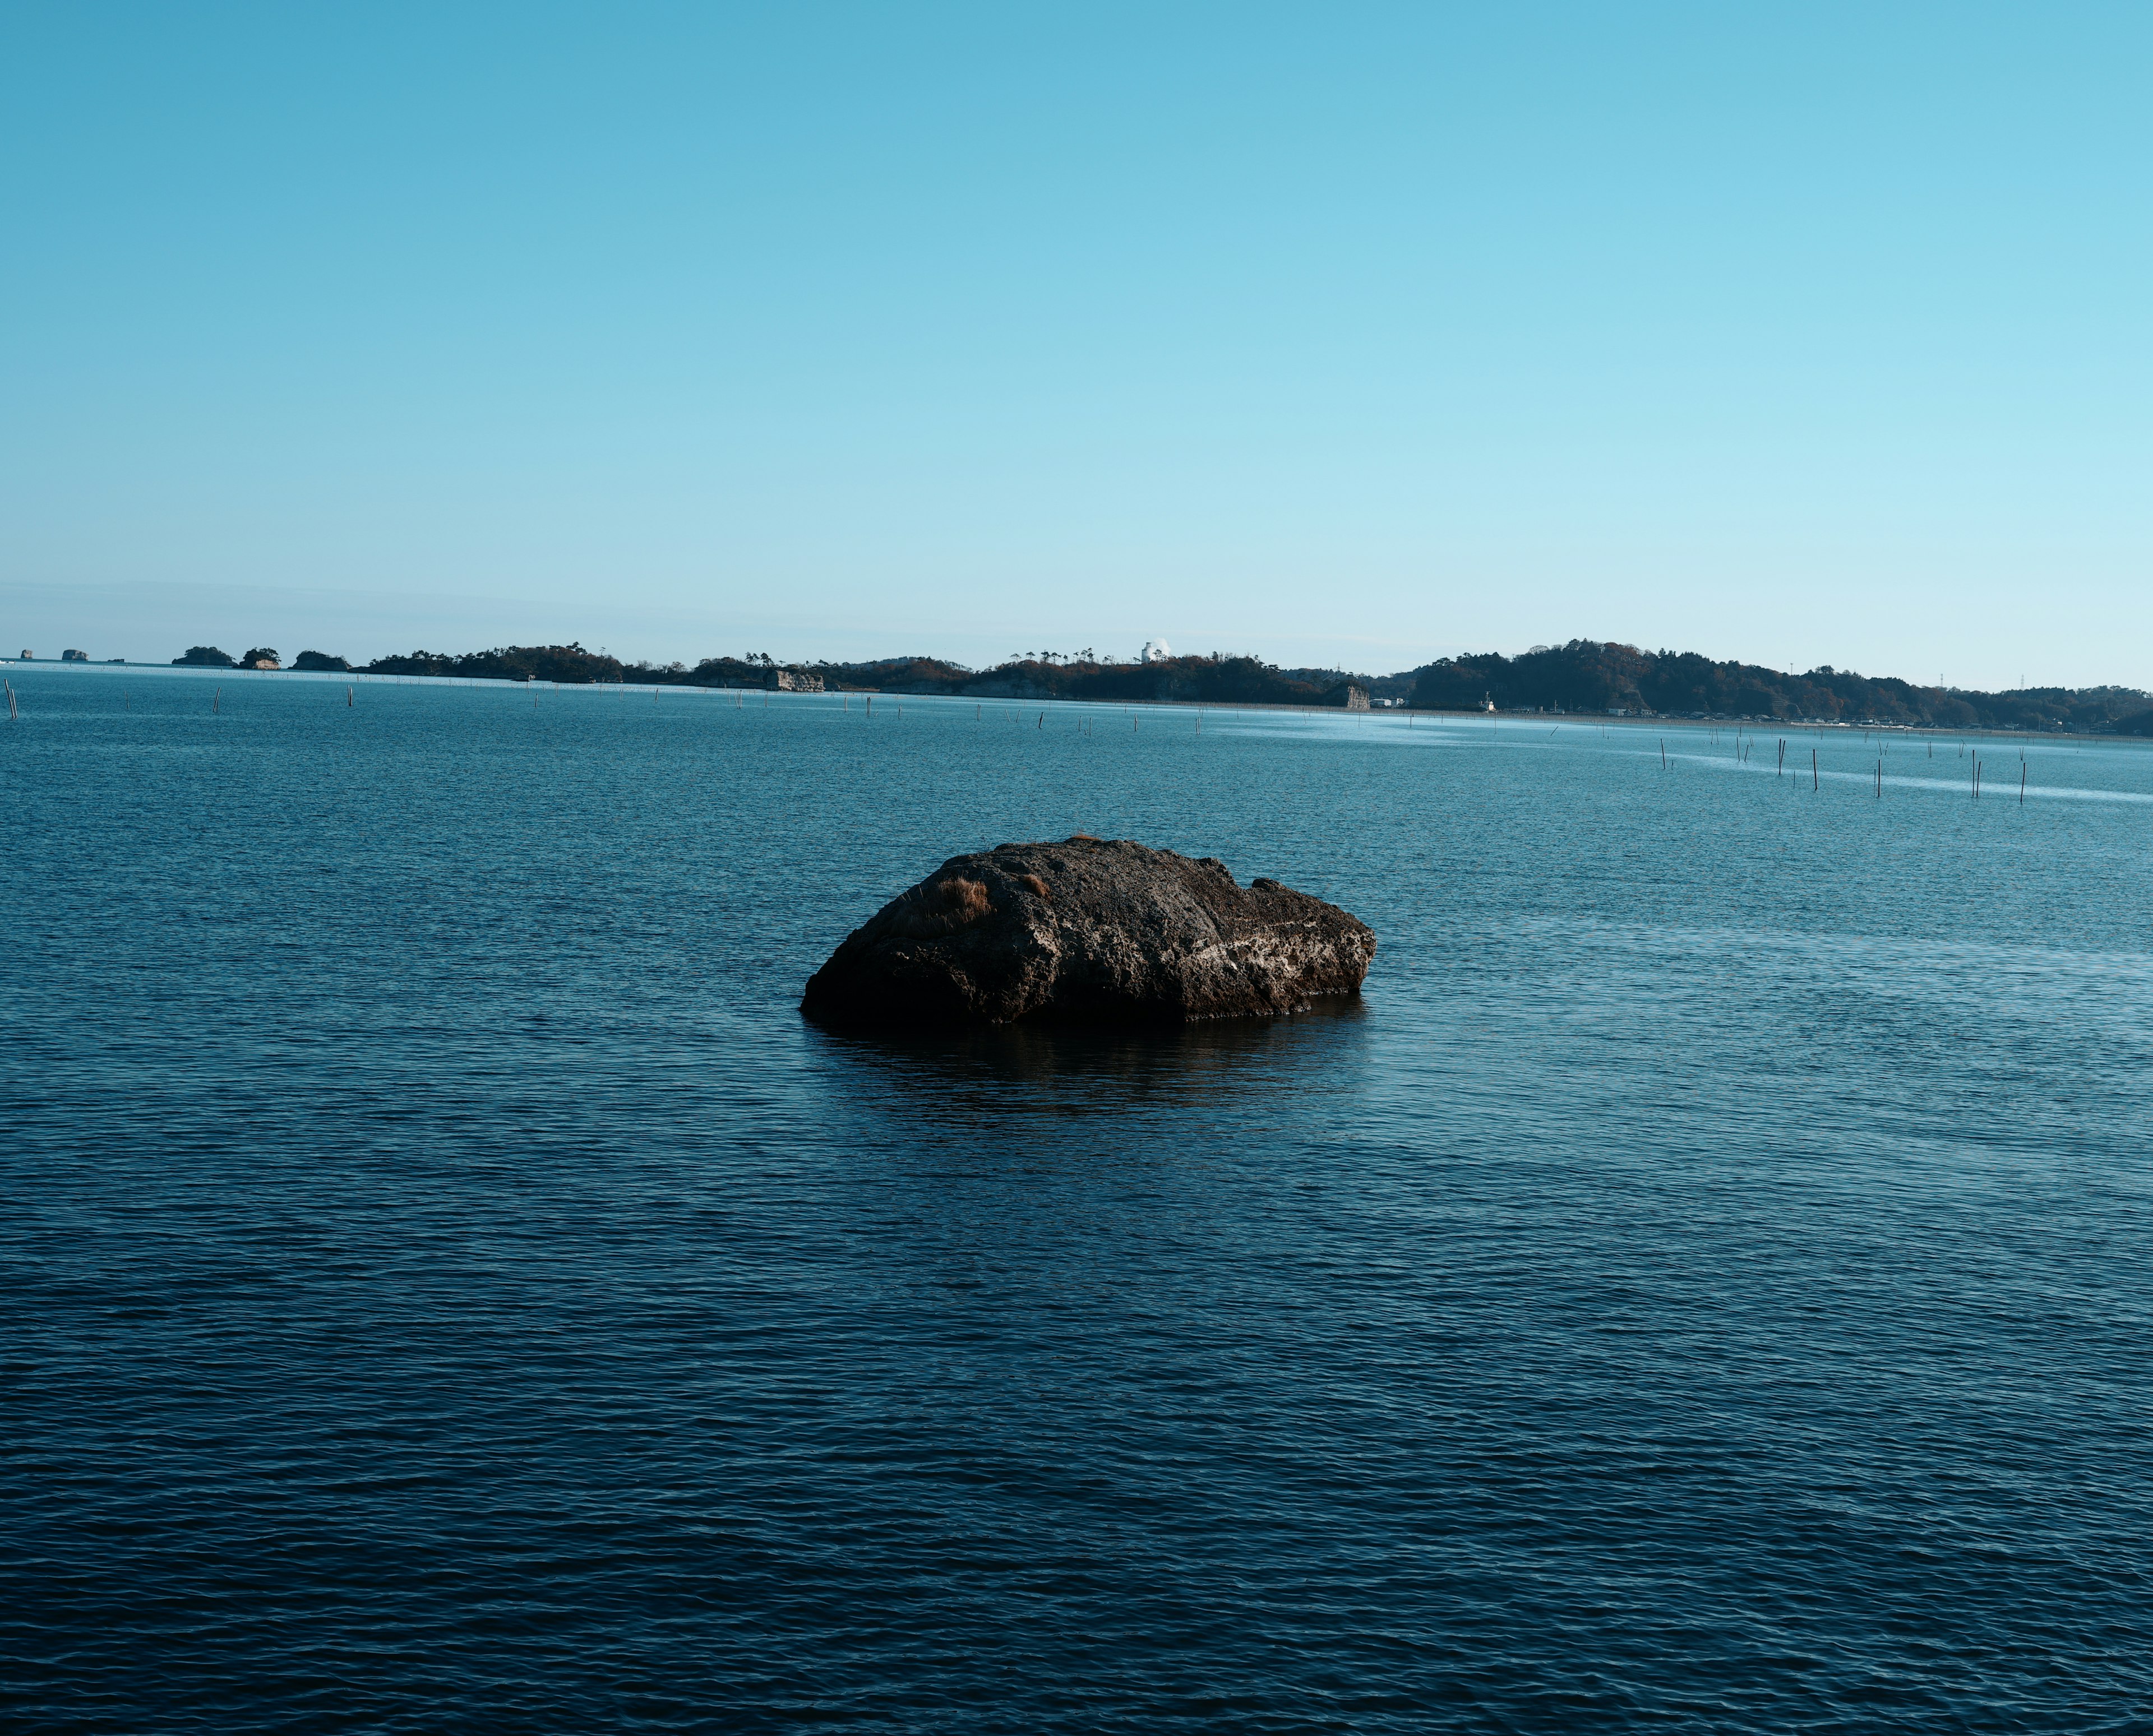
(1703, 1286)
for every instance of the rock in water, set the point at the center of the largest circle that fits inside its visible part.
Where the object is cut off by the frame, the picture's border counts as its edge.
(1088, 930)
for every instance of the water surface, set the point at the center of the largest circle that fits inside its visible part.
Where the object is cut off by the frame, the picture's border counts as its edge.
(1703, 1285)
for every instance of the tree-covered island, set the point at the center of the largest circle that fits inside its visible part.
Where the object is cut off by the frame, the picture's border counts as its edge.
(1585, 677)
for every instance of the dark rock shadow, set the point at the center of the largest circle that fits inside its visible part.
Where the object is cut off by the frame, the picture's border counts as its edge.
(1081, 1070)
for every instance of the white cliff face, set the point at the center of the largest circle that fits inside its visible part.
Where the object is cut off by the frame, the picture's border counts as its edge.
(1155, 651)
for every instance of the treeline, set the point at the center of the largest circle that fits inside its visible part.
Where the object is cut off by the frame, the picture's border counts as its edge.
(1586, 675)
(569, 664)
(1216, 679)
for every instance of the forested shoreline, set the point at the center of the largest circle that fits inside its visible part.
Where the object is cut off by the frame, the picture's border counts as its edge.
(1590, 676)
(1584, 677)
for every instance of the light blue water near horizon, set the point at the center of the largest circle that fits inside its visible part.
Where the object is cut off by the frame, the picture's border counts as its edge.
(1703, 1284)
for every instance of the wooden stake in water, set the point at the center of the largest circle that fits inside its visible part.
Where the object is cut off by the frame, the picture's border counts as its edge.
(2022, 783)
(1813, 784)
(1880, 777)
(1663, 756)
(217, 700)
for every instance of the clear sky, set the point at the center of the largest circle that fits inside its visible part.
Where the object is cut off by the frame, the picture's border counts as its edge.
(1345, 334)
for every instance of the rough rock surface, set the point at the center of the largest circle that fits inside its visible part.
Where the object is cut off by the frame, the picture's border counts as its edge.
(1091, 929)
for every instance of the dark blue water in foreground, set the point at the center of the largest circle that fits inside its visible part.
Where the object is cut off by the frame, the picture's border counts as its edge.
(1707, 1285)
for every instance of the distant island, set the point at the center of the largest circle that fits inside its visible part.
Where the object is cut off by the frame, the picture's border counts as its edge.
(1586, 677)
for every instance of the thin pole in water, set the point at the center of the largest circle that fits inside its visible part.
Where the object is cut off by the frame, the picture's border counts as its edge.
(1880, 777)
(1813, 784)
(2022, 783)
(217, 700)
(1782, 757)
(349, 701)
(1663, 756)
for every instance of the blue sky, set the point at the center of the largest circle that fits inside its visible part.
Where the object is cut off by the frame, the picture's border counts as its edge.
(1351, 335)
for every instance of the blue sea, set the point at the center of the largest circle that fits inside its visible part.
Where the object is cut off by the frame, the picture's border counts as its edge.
(1704, 1285)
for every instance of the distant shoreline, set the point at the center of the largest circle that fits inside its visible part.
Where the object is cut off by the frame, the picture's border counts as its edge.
(1524, 717)
(1581, 678)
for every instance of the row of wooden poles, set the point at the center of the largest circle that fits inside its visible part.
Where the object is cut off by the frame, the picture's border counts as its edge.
(1974, 772)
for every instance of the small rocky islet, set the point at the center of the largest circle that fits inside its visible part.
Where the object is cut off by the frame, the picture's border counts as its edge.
(1089, 929)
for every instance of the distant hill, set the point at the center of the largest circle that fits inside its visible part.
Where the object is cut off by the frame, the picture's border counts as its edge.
(1585, 676)
(567, 663)
(1217, 679)
(1588, 676)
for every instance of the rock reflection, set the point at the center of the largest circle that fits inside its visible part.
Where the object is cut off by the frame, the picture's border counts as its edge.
(1010, 1155)
(1019, 1069)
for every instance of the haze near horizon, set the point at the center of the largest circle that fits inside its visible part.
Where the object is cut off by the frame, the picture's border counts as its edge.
(1349, 339)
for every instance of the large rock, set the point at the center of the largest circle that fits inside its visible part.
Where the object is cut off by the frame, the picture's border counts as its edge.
(1089, 929)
